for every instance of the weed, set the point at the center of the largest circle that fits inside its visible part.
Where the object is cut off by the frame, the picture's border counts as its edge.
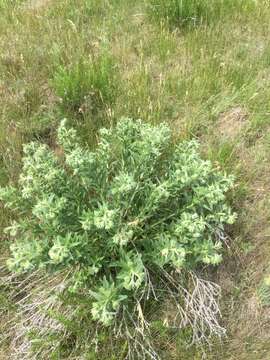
(154, 208)
(263, 291)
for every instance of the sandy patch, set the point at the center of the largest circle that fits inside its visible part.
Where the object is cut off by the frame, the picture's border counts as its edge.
(35, 4)
(231, 122)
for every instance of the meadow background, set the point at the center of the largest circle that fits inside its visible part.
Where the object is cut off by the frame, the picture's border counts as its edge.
(93, 61)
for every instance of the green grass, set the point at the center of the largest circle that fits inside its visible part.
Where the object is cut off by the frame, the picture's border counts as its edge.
(86, 87)
(191, 13)
(96, 60)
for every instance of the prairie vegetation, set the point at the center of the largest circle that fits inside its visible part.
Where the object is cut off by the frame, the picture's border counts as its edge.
(200, 68)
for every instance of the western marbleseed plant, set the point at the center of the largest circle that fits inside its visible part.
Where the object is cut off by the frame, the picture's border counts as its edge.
(128, 217)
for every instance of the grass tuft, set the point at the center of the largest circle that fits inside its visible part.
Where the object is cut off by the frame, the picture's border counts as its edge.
(190, 13)
(87, 86)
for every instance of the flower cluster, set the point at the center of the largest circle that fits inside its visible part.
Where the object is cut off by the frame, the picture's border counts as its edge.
(136, 204)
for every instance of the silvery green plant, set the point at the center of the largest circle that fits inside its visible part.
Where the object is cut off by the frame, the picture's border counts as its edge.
(137, 205)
